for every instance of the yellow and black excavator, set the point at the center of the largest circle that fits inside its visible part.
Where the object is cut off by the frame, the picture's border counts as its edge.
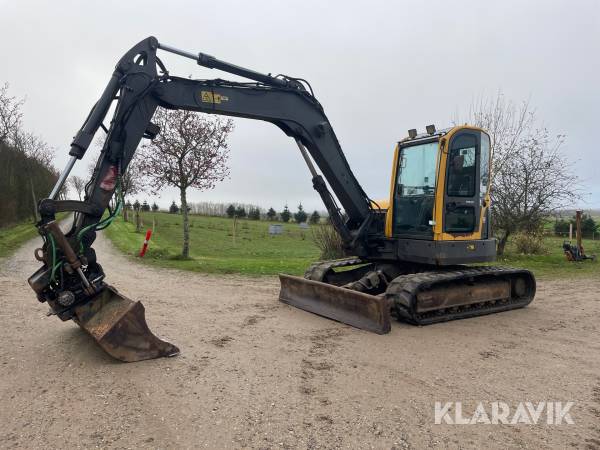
(406, 257)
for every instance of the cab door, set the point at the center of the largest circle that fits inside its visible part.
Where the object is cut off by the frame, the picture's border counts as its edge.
(462, 197)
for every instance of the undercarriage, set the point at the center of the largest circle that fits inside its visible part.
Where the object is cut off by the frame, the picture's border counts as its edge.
(413, 293)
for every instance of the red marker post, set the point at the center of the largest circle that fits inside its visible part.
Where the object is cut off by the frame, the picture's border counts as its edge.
(145, 246)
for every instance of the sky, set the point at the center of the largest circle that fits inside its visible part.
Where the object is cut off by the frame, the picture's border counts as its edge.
(379, 68)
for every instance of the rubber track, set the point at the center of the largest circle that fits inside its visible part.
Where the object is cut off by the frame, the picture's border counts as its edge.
(319, 269)
(402, 292)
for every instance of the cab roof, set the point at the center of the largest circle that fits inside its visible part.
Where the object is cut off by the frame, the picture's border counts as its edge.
(426, 136)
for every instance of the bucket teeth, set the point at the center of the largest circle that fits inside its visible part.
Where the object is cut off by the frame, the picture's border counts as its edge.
(118, 325)
(368, 312)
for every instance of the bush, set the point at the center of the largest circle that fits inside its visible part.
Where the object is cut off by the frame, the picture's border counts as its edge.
(588, 226)
(328, 241)
(529, 243)
(561, 227)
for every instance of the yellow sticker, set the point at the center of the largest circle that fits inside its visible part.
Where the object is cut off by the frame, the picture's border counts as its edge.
(212, 97)
(470, 246)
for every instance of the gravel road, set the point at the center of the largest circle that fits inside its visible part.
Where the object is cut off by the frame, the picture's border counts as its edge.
(254, 373)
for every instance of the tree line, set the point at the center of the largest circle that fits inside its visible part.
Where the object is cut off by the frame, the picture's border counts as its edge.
(26, 171)
(254, 213)
(231, 210)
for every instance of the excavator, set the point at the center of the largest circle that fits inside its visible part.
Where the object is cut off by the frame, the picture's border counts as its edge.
(415, 257)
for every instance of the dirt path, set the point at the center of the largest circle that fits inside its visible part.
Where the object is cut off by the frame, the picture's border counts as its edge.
(257, 373)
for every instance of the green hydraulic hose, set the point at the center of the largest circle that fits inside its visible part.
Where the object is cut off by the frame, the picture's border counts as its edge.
(102, 224)
(54, 265)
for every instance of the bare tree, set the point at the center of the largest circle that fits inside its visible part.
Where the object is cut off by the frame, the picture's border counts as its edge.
(33, 153)
(190, 152)
(35, 147)
(531, 177)
(507, 124)
(10, 115)
(133, 181)
(36, 150)
(78, 184)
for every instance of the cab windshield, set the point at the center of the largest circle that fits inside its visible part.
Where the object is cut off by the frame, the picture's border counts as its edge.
(415, 189)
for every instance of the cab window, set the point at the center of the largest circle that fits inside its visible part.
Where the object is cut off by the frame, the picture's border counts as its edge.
(462, 171)
(462, 184)
(415, 189)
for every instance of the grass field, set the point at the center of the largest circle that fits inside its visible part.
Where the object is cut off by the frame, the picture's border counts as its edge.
(254, 252)
(12, 237)
(212, 246)
(553, 263)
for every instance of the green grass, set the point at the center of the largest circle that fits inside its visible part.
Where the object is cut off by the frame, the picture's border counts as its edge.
(212, 247)
(553, 262)
(256, 253)
(12, 237)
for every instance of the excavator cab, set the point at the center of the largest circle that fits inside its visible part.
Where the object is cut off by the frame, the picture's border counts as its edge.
(440, 192)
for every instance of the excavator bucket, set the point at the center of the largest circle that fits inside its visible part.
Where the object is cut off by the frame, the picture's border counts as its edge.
(368, 312)
(118, 325)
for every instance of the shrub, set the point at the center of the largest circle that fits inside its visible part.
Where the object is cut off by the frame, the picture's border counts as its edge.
(529, 243)
(328, 241)
(588, 225)
(561, 226)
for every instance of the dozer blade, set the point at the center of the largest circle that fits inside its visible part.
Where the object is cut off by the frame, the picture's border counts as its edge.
(360, 310)
(119, 325)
